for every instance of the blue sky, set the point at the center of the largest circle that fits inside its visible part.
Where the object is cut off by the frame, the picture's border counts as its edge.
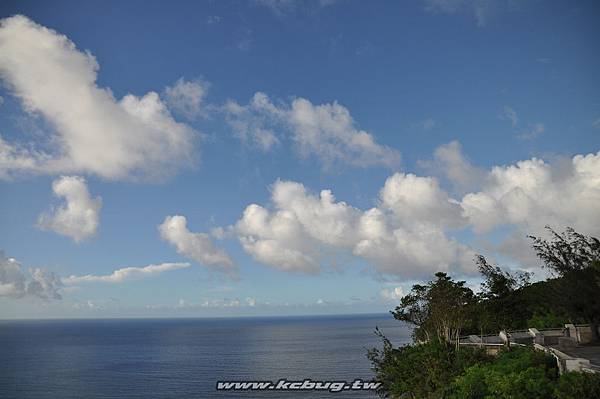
(441, 128)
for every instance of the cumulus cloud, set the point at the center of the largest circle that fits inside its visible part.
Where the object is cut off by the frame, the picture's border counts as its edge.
(450, 162)
(392, 294)
(418, 200)
(134, 137)
(15, 284)
(120, 275)
(79, 216)
(531, 194)
(187, 97)
(329, 132)
(326, 131)
(251, 123)
(303, 228)
(409, 233)
(196, 246)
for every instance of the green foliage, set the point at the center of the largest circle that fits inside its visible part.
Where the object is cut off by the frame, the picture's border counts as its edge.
(443, 309)
(575, 258)
(438, 310)
(578, 386)
(518, 373)
(567, 251)
(425, 370)
(547, 319)
(434, 370)
(501, 299)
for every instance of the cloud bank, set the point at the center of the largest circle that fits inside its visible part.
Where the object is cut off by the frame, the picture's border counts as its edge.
(14, 283)
(410, 233)
(302, 229)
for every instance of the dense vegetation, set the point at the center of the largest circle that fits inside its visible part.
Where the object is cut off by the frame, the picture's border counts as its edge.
(444, 309)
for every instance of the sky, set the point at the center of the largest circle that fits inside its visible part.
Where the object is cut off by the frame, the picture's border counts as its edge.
(246, 158)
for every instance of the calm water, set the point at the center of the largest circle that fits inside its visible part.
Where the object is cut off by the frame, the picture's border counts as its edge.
(175, 358)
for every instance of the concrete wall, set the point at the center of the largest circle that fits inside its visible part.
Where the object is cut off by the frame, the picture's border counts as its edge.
(582, 333)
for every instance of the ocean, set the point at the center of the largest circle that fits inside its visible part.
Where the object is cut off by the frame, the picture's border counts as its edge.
(184, 358)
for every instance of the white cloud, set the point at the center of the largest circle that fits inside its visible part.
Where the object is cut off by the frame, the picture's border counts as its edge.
(326, 131)
(187, 97)
(120, 275)
(79, 217)
(196, 246)
(532, 132)
(329, 132)
(392, 294)
(135, 137)
(596, 123)
(44, 284)
(250, 123)
(417, 200)
(450, 162)
(303, 229)
(12, 279)
(15, 284)
(532, 194)
(409, 233)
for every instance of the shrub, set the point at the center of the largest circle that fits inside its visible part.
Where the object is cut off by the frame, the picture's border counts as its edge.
(425, 371)
(578, 386)
(518, 373)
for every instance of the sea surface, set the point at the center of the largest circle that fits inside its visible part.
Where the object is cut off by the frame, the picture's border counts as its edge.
(184, 358)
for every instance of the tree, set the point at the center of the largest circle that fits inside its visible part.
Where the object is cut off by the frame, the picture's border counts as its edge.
(567, 252)
(414, 309)
(575, 258)
(501, 305)
(438, 310)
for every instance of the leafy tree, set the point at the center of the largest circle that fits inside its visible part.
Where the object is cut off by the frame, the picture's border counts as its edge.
(501, 303)
(438, 310)
(567, 252)
(442, 308)
(575, 258)
(414, 310)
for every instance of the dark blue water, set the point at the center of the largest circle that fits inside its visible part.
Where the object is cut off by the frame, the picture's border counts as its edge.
(183, 358)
